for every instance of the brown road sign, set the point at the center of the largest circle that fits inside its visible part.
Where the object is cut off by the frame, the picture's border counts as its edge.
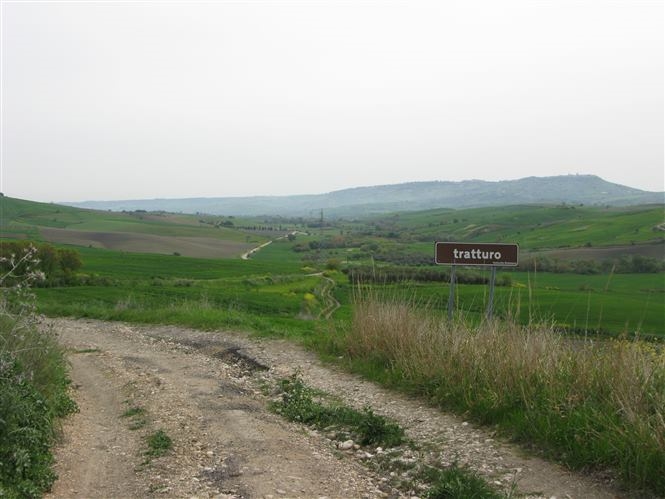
(495, 254)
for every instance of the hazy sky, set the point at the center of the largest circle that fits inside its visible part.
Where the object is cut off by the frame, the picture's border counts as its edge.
(127, 100)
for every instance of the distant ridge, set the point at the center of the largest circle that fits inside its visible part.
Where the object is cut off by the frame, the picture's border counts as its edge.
(573, 189)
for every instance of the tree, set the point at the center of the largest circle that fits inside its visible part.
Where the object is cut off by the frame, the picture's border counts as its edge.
(70, 260)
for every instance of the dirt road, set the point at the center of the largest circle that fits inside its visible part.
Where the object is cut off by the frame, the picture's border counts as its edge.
(209, 392)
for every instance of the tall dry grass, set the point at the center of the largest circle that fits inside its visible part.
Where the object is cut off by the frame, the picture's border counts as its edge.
(593, 404)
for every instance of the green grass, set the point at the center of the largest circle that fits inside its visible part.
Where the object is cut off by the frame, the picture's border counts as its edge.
(34, 386)
(280, 253)
(159, 228)
(538, 226)
(151, 288)
(159, 443)
(592, 404)
(532, 227)
(137, 417)
(26, 434)
(456, 482)
(630, 304)
(265, 308)
(302, 404)
(119, 265)
(298, 404)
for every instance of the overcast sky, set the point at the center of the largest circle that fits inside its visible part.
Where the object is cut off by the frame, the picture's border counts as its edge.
(132, 100)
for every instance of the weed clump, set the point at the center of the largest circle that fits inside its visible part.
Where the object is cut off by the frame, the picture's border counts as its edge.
(137, 417)
(298, 404)
(159, 443)
(456, 481)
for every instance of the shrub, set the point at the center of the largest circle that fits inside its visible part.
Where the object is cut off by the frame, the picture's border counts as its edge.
(25, 434)
(57, 265)
(333, 264)
(33, 384)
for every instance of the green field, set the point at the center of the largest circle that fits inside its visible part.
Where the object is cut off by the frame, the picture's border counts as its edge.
(632, 304)
(206, 293)
(131, 280)
(150, 288)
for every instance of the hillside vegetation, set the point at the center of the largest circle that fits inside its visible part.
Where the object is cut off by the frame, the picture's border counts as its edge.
(533, 227)
(158, 232)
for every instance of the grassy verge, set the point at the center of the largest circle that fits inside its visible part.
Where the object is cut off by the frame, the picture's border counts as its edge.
(33, 393)
(593, 405)
(385, 438)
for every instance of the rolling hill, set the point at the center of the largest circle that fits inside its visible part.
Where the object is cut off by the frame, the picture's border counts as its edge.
(142, 232)
(587, 231)
(572, 189)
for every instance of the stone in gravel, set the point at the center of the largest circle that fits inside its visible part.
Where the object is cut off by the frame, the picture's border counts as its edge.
(346, 445)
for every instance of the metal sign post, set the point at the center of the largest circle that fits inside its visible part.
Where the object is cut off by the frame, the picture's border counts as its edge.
(476, 255)
(490, 301)
(451, 293)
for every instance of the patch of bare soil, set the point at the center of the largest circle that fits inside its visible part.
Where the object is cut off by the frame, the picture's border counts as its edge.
(207, 391)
